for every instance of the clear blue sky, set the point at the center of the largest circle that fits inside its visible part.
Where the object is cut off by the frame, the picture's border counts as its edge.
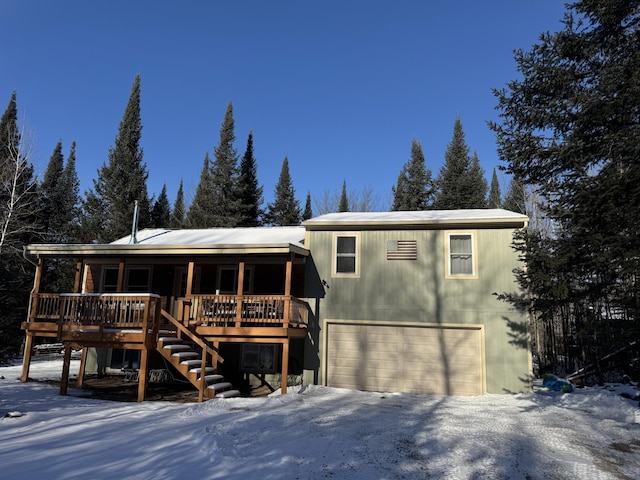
(340, 87)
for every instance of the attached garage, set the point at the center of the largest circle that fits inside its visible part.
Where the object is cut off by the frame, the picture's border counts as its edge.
(428, 359)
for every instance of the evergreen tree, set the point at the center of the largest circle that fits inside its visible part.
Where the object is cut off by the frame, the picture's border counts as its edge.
(227, 208)
(343, 206)
(476, 185)
(495, 200)
(250, 191)
(569, 129)
(516, 197)
(60, 204)
(178, 213)
(285, 209)
(414, 189)
(120, 182)
(51, 195)
(453, 179)
(161, 211)
(70, 184)
(308, 212)
(200, 211)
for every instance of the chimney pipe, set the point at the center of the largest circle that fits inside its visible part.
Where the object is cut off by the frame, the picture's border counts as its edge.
(134, 227)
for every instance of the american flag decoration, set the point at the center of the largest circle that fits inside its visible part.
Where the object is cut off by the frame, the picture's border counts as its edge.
(402, 250)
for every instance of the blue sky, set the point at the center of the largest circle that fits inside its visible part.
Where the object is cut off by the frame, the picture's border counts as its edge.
(340, 87)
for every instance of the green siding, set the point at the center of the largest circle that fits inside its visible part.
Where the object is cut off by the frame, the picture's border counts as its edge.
(417, 291)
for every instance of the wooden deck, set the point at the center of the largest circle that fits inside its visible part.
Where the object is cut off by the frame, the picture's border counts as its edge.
(138, 321)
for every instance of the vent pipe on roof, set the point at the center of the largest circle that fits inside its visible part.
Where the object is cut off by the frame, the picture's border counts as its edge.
(134, 227)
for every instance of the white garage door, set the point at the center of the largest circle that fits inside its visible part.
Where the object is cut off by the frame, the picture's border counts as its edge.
(416, 359)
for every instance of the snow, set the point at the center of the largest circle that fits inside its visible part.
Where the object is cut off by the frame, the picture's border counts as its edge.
(219, 236)
(424, 217)
(314, 432)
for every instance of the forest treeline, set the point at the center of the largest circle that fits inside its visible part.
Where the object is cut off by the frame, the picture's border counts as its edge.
(569, 137)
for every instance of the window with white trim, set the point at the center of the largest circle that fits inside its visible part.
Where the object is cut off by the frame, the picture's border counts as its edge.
(461, 255)
(345, 259)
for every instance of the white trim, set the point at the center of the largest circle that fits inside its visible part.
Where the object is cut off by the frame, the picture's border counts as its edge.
(334, 255)
(474, 254)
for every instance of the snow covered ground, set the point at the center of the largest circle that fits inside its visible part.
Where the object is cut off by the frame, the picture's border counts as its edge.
(315, 432)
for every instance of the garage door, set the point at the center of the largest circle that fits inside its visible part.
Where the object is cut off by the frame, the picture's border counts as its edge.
(416, 359)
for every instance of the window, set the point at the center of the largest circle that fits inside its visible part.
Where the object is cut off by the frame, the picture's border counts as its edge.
(346, 255)
(109, 279)
(461, 257)
(137, 279)
(228, 279)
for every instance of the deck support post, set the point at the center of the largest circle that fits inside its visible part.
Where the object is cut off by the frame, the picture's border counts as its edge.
(66, 362)
(83, 364)
(77, 283)
(284, 374)
(33, 305)
(144, 374)
(120, 286)
(26, 359)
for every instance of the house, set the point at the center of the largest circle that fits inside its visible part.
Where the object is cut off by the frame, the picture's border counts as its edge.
(395, 301)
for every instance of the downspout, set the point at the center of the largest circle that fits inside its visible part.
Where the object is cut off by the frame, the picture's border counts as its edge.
(33, 289)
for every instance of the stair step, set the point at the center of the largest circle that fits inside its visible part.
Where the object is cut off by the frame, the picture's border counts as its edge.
(177, 347)
(228, 394)
(218, 387)
(185, 355)
(166, 340)
(190, 363)
(210, 379)
(197, 370)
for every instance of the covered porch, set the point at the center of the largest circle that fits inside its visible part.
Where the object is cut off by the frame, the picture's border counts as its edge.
(144, 298)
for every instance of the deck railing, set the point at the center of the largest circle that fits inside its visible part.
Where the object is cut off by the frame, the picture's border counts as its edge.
(137, 310)
(248, 310)
(109, 310)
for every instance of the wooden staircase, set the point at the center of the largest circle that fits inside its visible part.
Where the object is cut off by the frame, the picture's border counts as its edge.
(186, 360)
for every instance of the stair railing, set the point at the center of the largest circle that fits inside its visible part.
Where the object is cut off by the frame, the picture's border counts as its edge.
(206, 348)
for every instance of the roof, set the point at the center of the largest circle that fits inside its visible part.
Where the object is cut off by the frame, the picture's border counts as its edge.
(188, 242)
(488, 218)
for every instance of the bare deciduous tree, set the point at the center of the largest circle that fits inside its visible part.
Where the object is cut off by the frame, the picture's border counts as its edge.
(364, 200)
(18, 194)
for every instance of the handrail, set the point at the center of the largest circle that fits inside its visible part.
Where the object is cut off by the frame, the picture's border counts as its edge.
(193, 337)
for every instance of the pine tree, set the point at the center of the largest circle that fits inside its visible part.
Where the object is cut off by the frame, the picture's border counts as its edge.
(60, 199)
(121, 182)
(285, 209)
(569, 130)
(343, 206)
(227, 208)
(414, 188)
(178, 212)
(495, 200)
(200, 211)
(60, 204)
(161, 211)
(249, 190)
(308, 212)
(476, 185)
(452, 182)
(70, 184)
(52, 196)
(516, 197)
